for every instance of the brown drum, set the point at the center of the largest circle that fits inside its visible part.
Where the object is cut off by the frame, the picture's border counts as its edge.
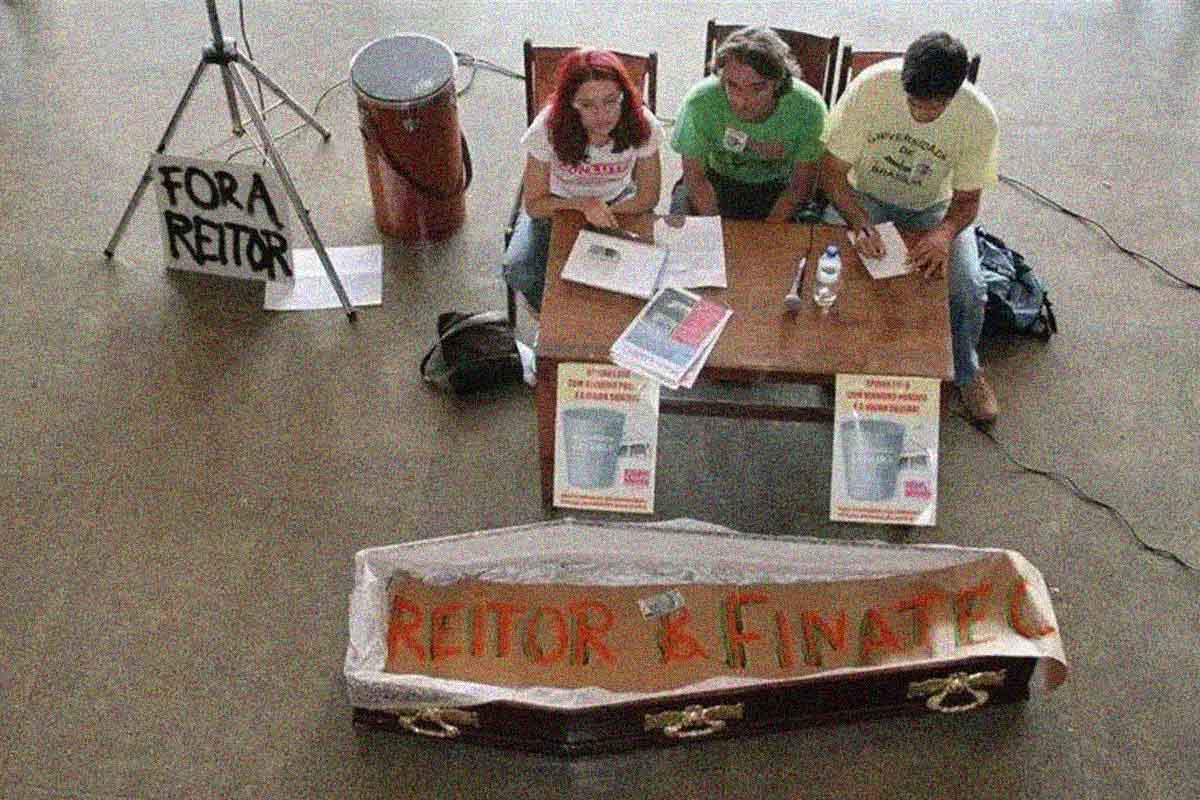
(418, 164)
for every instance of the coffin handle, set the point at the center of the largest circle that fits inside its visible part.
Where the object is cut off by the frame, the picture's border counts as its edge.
(438, 723)
(936, 690)
(693, 721)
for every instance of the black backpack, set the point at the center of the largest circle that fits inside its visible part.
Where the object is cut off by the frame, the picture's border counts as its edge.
(473, 353)
(1017, 300)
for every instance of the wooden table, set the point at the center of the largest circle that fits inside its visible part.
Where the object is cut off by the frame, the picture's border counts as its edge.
(898, 326)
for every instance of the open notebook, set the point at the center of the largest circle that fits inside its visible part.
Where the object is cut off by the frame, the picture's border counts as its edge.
(615, 263)
(687, 254)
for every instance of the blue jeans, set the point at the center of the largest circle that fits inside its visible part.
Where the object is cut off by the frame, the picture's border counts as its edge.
(524, 265)
(968, 292)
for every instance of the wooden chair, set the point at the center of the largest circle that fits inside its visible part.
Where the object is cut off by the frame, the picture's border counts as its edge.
(855, 61)
(540, 66)
(816, 55)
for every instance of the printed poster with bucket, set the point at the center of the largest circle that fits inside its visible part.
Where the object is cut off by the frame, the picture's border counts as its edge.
(605, 439)
(885, 447)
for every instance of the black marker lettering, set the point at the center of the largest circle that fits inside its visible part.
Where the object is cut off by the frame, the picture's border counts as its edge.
(178, 228)
(214, 198)
(227, 184)
(277, 249)
(258, 190)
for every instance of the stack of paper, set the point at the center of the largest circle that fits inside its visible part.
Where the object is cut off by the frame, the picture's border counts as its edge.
(670, 339)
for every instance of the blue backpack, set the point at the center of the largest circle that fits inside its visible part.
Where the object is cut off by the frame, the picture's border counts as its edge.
(1017, 300)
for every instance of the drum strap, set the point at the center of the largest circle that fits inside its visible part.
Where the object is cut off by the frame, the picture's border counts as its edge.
(369, 133)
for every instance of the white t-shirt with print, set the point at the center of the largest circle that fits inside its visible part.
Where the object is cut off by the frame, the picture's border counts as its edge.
(602, 173)
(901, 161)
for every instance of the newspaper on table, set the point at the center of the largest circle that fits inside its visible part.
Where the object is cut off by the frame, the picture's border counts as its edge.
(671, 338)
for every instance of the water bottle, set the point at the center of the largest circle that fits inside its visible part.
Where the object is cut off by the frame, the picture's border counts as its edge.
(829, 274)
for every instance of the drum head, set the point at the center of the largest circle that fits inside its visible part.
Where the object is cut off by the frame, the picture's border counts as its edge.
(402, 69)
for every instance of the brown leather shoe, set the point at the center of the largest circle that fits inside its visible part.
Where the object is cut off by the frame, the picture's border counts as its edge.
(980, 400)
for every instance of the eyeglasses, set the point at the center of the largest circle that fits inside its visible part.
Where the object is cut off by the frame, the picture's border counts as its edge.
(604, 104)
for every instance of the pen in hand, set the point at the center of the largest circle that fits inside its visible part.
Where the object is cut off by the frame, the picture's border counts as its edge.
(619, 233)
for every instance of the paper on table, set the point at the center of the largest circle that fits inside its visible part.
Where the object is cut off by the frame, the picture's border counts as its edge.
(359, 268)
(895, 257)
(696, 248)
(615, 263)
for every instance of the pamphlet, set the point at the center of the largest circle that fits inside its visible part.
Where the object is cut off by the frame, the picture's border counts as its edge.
(615, 263)
(885, 450)
(895, 257)
(687, 253)
(605, 439)
(671, 338)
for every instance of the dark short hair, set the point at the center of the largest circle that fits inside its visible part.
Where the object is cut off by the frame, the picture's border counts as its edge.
(935, 65)
(763, 51)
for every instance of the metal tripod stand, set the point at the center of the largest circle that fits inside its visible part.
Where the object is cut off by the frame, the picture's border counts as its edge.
(224, 54)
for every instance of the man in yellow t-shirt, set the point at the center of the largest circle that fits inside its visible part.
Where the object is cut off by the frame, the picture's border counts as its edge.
(910, 142)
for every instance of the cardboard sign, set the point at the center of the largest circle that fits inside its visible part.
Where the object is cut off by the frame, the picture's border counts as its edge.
(885, 450)
(659, 637)
(223, 218)
(606, 439)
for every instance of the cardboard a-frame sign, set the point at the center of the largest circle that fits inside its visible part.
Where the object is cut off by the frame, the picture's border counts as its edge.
(572, 637)
(223, 218)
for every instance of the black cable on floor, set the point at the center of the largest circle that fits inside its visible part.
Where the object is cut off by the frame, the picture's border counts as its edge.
(1069, 482)
(1076, 215)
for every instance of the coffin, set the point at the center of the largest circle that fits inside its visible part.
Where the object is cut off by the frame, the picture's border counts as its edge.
(575, 637)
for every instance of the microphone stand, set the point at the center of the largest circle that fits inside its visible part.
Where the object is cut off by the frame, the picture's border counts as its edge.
(223, 54)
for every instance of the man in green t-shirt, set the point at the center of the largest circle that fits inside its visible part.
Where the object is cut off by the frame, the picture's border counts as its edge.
(750, 134)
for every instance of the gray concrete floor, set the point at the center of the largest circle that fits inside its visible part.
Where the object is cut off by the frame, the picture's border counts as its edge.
(186, 477)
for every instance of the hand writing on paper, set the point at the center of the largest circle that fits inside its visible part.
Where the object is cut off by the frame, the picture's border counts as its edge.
(867, 241)
(598, 213)
(930, 253)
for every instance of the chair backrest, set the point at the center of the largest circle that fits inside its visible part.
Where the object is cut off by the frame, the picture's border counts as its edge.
(855, 61)
(541, 62)
(816, 55)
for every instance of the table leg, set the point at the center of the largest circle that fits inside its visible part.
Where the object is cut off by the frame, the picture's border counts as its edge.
(545, 398)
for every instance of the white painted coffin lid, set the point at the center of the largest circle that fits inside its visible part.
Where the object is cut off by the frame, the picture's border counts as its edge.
(570, 551)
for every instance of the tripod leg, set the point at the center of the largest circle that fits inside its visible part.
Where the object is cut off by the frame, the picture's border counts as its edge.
(285, 178)
(162, 146)
(284, 96)
(231, 98)
(219, 51)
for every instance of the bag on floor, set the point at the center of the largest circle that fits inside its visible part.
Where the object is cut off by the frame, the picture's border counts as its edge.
(474, 352)
(1017, 299)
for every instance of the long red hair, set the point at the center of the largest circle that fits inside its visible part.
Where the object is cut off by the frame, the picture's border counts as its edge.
(564, 125)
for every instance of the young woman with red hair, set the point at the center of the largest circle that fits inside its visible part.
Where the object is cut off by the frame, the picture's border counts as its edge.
(594, 149)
